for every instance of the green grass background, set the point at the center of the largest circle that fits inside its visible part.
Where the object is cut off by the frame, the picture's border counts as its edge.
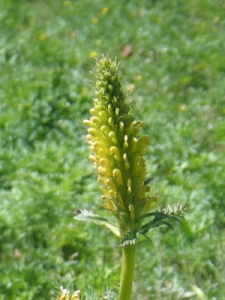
(176, 75)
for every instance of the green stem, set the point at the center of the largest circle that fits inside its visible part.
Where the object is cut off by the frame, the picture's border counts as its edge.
(127, 272)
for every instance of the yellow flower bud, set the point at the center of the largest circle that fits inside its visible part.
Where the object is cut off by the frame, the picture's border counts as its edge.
(113, 137)
(115, 152)
(117, 175)
(126, 162)
(125, 144)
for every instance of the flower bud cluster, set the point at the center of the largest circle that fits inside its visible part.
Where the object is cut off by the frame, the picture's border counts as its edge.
(117, 150)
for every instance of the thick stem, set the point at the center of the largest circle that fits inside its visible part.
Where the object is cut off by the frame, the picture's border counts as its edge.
(127, 272)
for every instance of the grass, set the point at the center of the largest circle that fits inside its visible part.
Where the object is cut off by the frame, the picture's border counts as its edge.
(176, 77)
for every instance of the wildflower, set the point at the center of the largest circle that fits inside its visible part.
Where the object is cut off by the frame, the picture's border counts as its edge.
(94, 20)
(67, 3)
(117, 151)
(104, 10)
(42, 37)
(93, 54)
(138, 77)
(183, 107)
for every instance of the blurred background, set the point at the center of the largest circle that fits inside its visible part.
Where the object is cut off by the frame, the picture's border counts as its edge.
(172, 62)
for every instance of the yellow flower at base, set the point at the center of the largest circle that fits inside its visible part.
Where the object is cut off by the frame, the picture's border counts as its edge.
(66, 295)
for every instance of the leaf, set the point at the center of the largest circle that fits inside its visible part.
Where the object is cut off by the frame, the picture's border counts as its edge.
(163, 217)
(172, 211)
(88, 216)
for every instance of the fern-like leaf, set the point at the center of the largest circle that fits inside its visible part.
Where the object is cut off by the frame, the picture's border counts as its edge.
(88, 216)
(163, 217)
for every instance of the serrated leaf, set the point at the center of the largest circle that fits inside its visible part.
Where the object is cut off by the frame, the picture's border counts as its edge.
(162, 217)
(172, 211)
(88, 216)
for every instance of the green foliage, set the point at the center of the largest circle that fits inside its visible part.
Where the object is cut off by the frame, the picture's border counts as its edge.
(175, 75)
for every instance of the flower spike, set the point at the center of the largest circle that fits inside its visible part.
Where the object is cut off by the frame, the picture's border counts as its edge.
(117, 151)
